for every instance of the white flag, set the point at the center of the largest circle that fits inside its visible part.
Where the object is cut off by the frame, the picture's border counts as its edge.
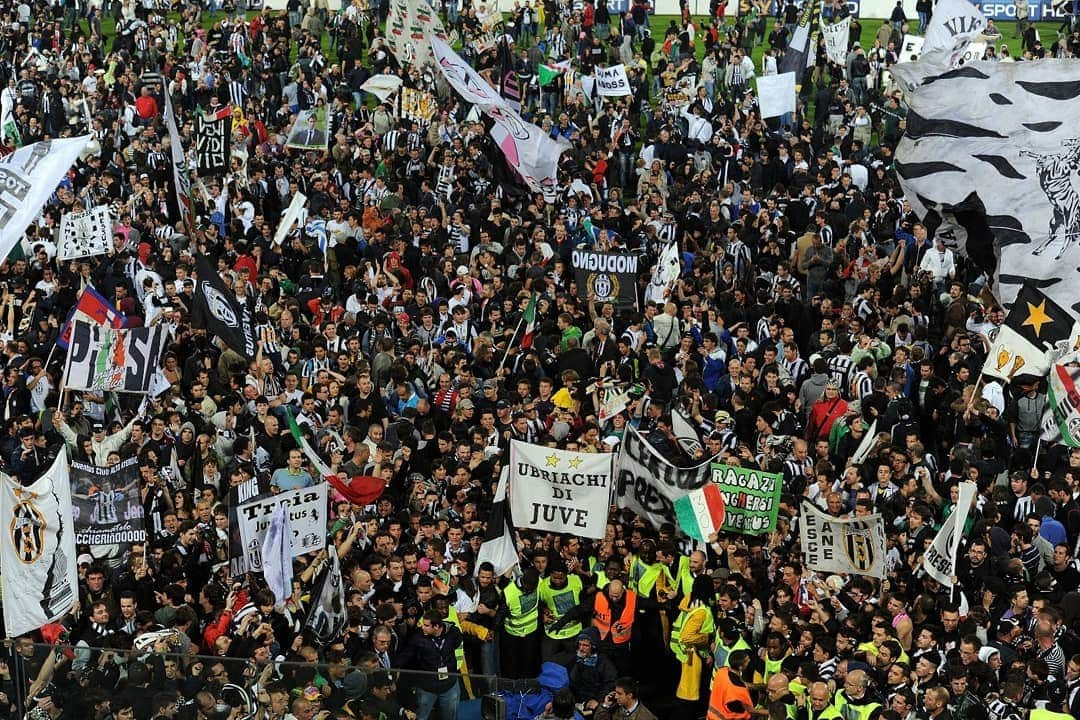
(277, 555)
(41, 579)
(940, 558)
(28, 178)
(836, 40)
(776, 94)
(85, 234)
(667, 270)
(527, 148)
(381, 86)
(996, 139)
(292, 214)
(850, 545)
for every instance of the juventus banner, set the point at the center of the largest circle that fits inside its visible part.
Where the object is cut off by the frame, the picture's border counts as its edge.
(212, 143)
(328, 616)
(307, 517)
(559, 490)
(28, 178)
(649, 484)
(85, 234)
(850, 545)
(102, 358)
(108, 509)
(611, 277)
(994, 139)
(37, 552)
(836, 40)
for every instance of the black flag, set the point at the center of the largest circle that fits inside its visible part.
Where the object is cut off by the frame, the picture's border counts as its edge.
(221, 313)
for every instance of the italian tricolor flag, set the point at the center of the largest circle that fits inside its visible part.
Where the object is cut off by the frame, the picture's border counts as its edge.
(528, 321)
(360, 490)
(1064, 404)
(700, 513)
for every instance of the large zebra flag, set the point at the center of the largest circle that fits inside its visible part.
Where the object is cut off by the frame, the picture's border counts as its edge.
(181, 179)
(953, 27)
(217, 309)
(499, 547)
(991, 144)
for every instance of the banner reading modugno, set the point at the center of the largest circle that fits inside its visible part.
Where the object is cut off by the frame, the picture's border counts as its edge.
(101, 358)
(37, 552)
(307, 517)
(842, 545)
(559, 490)
(647, 483)
(107, 507)
(611, 277)
(751, 498)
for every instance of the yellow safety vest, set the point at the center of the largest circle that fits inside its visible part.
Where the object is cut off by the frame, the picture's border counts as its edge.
(560, 602)
(1044, 714)
(524, 615)
(848, 711)
(707, 628)
(723, 651)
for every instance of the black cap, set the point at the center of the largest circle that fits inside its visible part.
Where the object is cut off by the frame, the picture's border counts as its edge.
(27, 432)
(99, 427)
(502, 405)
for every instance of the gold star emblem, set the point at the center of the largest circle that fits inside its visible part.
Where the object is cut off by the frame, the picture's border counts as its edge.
(574, 463)
(1037, 316)
(552, 460)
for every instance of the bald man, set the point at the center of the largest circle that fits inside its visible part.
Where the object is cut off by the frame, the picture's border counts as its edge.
(854, 700)
(821, 707)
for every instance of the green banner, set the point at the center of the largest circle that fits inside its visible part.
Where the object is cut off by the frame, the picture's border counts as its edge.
(751, 498)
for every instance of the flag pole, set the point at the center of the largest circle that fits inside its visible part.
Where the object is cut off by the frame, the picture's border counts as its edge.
(506, 353)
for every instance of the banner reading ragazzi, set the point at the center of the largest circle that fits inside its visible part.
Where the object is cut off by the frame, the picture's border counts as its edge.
(610, 277)
(751, 498)
(108, 509)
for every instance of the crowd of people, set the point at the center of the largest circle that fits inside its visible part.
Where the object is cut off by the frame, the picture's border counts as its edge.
(812, 306)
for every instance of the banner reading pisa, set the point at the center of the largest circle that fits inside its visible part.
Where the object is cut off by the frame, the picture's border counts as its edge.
(647, 483)
(307, 517)
(751, 498)
(107, 508)
(37, 552)
(611, 277)
(559, 490)
(842, 545)
(101, 358)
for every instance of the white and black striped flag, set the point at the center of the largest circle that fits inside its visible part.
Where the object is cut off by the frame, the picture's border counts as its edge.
(499, 547)
(991, 142)
(799, 54)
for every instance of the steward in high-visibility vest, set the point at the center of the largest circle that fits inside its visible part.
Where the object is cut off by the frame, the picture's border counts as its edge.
(856, 705)
(819, 704)
(689, 571)
(728, 640)
(691, 635)
(560, 593)
(729, 698)
(520, 643)
(613, 614)
(777, 649)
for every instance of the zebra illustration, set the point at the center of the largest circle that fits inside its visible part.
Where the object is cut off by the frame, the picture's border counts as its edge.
(1055, 177)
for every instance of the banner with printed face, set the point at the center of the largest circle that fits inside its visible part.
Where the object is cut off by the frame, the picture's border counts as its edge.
(85, 234)
(558, 490)
(307, 518)
(610, 277)
(28, 178)
(108, 509)
(842, 545)
(212, 143)
(649, 484)
(309, 132)
(416, 105)
(612, 81)
(41, 579)
(102, 358)
(751, 498)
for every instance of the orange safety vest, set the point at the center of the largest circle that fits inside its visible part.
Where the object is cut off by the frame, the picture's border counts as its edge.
(730, 698)
(620, 631)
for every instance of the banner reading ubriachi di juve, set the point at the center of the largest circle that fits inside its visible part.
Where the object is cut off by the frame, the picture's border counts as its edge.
(609, 277)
